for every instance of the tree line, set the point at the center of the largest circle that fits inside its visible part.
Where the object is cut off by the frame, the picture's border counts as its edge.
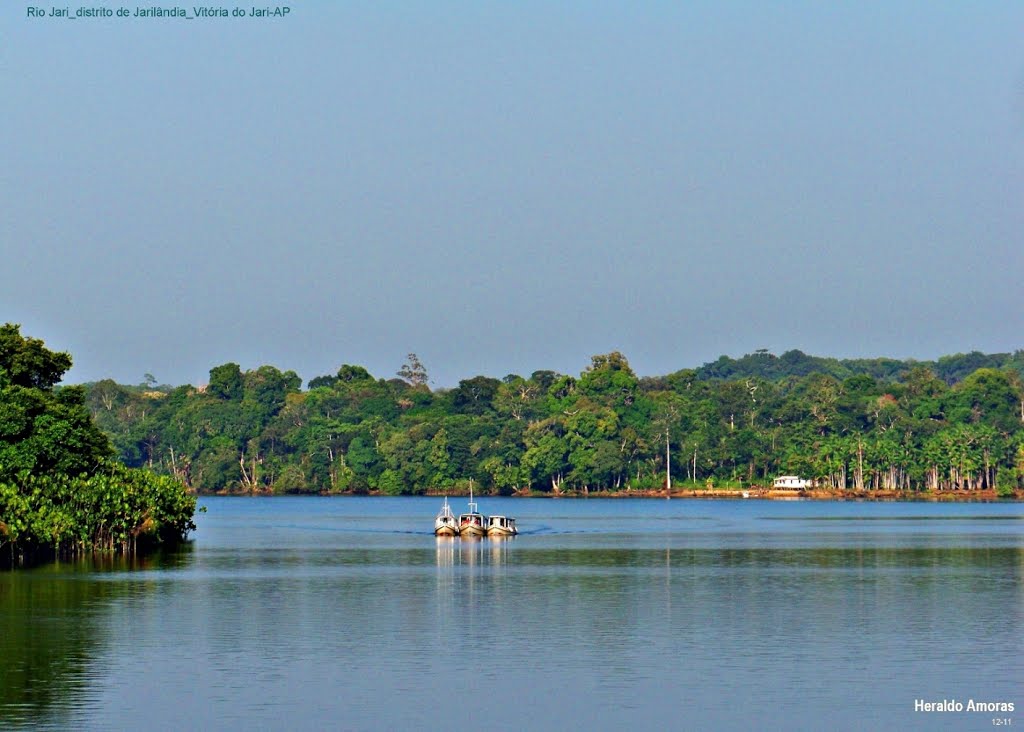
(853, 425)
(62, 492)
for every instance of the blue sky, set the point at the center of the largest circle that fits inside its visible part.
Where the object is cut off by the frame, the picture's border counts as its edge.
(504, 187)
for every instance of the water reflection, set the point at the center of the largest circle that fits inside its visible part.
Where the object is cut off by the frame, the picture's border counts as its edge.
(51, 620)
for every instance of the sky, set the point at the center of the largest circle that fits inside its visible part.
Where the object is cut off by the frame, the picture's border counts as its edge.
(505, 187)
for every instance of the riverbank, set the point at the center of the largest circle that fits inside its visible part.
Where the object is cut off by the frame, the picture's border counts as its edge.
(789, 495)
(699, 493)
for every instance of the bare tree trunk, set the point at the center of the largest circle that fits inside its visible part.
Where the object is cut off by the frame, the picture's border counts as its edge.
(250, 479)
(858, 477)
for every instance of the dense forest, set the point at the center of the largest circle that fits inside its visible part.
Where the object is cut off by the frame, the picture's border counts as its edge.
(62, 492)
(858, 425)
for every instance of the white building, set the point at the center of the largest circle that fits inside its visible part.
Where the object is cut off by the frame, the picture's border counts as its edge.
(792, 482)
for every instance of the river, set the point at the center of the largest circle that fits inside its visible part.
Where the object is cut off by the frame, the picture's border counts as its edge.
(346, 613)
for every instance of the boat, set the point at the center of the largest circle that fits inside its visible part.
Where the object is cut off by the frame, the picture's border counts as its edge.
(472, 523)
(501, 526)
(445, 523)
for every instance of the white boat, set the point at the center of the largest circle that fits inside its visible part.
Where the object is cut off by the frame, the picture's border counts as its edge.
(501, 526)
(445, 523)
(472, 523)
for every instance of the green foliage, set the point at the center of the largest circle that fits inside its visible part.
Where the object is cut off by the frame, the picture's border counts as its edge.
(290, 480)
(1007, 482)
(765, 365)
(43, 430)
(267, 388)
(115, 509)
(865, 425)
(475, 396)
(226, 382)
(390, 482)
(27, 363)
(59, 492)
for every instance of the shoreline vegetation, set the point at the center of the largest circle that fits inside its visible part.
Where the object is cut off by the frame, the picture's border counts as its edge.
(113, 469)
(857, 428)
(62, 495)
(685, 493)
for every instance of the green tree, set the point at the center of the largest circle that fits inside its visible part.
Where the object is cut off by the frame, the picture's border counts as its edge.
(474, 396)
(59, 492)
(870, 424)
(440, 460)
(547, 454)
(26, 362)
(268, 388)
(43, 430)
(226, 382)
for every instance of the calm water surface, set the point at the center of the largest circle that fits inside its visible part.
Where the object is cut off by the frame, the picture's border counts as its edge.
(315, 613)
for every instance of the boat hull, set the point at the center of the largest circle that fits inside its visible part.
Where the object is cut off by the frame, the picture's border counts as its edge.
(445, 523)
(471, 530)
(501, 526)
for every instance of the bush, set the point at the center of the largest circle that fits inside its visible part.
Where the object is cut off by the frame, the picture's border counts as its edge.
(117, 509)
(1007, 480)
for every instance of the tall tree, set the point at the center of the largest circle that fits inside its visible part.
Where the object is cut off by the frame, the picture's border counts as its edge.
(413, 372)
(43, 430)
(226, 382)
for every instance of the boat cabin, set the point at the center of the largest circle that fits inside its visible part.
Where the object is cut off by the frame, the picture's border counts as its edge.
(445, 524)
(501, 524)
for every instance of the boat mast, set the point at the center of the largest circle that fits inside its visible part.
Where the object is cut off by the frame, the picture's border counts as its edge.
(472, 505)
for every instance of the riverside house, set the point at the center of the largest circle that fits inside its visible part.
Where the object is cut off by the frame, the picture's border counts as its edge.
(792, 482)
